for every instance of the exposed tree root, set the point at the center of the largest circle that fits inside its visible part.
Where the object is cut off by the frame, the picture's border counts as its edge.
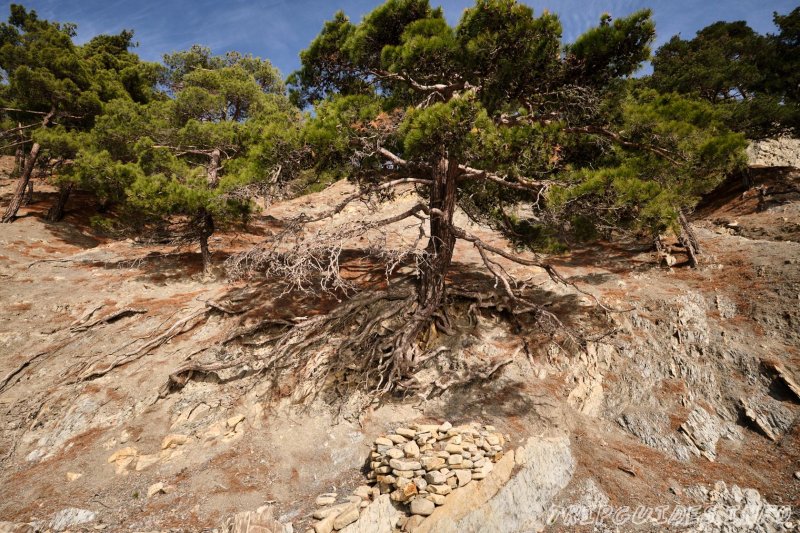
(16, 372)
(358, 345)
(194, 371)
(181, 326)
(116, 315)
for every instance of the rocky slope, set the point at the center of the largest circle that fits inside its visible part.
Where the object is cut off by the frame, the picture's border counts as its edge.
(683, 406)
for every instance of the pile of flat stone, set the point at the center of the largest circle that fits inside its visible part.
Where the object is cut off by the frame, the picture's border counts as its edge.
(422, 464)
(417, 466)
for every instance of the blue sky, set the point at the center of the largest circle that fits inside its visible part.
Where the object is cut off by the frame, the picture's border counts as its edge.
(279, 29)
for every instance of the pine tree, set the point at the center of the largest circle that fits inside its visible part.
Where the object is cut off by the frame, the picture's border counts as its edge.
(199, 149)
(56, 89)
(752, 77)
(496, 111)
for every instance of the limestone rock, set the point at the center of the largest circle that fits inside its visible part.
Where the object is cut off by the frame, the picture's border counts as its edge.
(380, 516)
(406, 432)
(442, 490)
(435, 478)
(464, 477)
(702, 431)
(404, 465)
(405, 493)
(413, 522)
(453, 448)
(455, 460)
(326, 524)
(71, 517)
(173, 441)
(736, 509)
(777, 152)
(234, 421)
(769, 415)
(494, 503)
(411, 450)
(383, 441)
(326, 499)
(438, 499)
(432, 463)
(363, 492)
(259, 521)
(395, 453)
(422, 507)
(786, 376)
(123, 458)
(146, 460)
(72, 476)
(325, 512)
(346, 517)
(155, 488)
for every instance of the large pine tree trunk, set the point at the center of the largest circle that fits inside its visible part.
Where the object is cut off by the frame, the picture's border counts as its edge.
(19, 154)
(205, 222)
(22, 185)
(431, 290)
(28, 194)
(56, 212)
(442, 241)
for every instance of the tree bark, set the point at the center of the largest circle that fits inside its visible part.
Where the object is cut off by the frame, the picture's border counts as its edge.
(28, 194)
(442, 240)
(205, 222)
(19, 153)
(212, 178)
(56, 212)
(22, 184)
(689, 240)
(27, 172)
(19, 160)
(431, 290)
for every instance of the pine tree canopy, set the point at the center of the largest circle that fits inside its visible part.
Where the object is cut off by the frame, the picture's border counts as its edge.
(528, 118)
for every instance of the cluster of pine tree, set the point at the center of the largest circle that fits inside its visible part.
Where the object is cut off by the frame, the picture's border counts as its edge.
(493, 111)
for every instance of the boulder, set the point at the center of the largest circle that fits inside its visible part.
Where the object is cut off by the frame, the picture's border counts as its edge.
(380, 516)
(494, 503)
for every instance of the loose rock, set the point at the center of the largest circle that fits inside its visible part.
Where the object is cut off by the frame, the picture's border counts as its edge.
(326, 499)
(347, 517)
(422, 507)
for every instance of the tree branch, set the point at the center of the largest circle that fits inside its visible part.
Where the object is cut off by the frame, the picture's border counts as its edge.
(617, 138)
(511, 120)
(47, 114)
(361, 194)
(443, 88)
(397, 160)
(520, 183)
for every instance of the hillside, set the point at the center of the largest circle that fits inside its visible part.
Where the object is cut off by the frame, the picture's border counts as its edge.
(122, 368)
